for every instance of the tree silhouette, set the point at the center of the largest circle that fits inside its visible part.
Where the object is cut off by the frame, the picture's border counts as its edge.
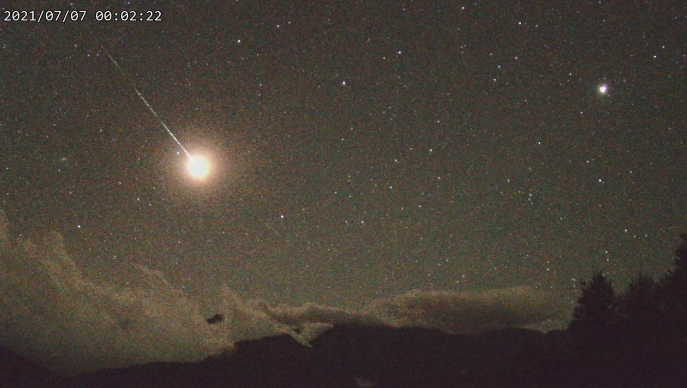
(595, 310)
(675, 282)
(673, 305)
(640, 333)
(639, 305)
(641, 315)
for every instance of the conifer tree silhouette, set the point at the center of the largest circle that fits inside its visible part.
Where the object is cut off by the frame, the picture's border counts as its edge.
(675, 282)
(596, 320)
(639, 299)
(673, 302)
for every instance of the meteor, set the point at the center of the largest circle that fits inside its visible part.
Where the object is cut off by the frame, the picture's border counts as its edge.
(198, 166)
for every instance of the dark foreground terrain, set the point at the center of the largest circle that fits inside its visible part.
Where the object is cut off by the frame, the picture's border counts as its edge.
(637, 338)
(372, 356)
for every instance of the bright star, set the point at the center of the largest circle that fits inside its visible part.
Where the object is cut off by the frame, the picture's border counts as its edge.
(603, 89)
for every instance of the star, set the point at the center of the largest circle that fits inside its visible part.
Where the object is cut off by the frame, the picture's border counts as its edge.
(389, 156)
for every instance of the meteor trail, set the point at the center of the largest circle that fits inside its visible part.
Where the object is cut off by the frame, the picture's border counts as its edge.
(147, 104)
(198, 166)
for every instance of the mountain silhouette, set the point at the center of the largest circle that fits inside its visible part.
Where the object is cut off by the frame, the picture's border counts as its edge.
(18, 372)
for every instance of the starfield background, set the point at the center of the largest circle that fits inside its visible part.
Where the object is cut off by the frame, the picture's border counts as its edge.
(400, 193)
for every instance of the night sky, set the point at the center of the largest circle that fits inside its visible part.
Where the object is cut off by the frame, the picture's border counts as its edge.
(360, 150)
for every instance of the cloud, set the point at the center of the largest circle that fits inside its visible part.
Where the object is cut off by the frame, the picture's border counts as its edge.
(468, 312)
(313, 313)
(52, 312)
(311, 320)
(453, 312)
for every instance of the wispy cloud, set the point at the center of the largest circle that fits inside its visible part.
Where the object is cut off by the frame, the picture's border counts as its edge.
(54, 313)
(468, 312)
